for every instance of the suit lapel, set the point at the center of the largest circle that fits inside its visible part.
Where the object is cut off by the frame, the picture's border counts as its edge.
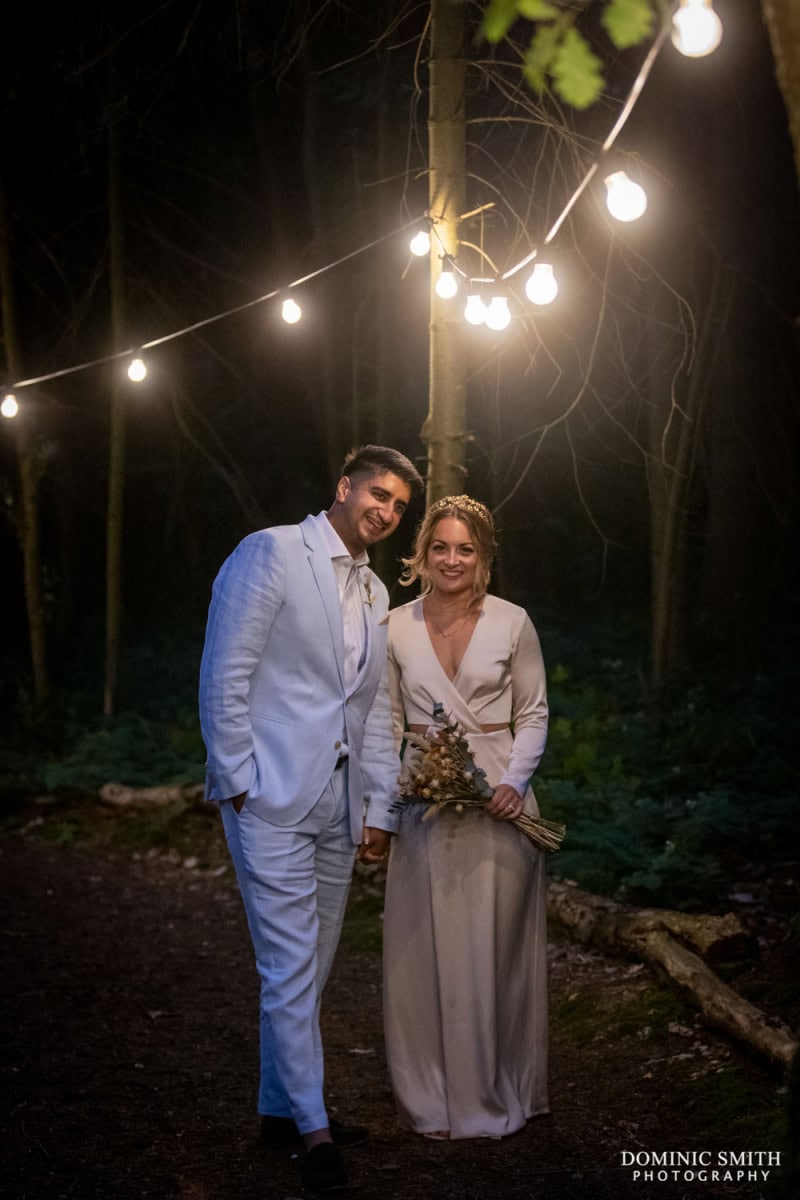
(325, 578)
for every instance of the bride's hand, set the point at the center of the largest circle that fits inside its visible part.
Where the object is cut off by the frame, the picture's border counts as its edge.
(505, 804)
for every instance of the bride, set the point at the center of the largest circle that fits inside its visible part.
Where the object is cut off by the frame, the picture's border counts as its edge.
(465, 986)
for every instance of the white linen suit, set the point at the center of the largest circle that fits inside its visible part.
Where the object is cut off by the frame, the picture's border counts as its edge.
(276, 715)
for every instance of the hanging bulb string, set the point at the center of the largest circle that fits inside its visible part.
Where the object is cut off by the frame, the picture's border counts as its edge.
(230, 312)
(617, 129)
(618, 126)
(445, 254)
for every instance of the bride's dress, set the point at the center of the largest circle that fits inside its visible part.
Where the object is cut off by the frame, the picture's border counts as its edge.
(465, 943)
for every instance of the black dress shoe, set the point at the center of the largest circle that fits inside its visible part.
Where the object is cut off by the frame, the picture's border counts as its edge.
(279, 1131)
(323, 1169)
(282, 1131)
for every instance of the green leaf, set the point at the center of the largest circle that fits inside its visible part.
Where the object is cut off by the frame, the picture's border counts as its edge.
(498, 19)
(577, 71)
(628, 22)
(537, 10)
(539, 56)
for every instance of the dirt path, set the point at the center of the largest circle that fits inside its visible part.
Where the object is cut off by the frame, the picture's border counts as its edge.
(129, 1056)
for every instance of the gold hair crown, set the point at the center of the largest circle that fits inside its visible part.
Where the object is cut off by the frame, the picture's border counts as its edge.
(465, 502)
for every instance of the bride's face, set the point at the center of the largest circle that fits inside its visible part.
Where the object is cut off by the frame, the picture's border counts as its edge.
(452, 557)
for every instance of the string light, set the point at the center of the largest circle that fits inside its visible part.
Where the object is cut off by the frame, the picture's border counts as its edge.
(137, 370)
(626, 200)
(420, 243)
(9, 407)
(498, 314)
(291, 311)
(542, 286)
(475, 310)
(218, 316)
(447, 284)
(696, 28)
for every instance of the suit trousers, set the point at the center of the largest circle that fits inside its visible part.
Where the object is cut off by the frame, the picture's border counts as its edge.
(294, 881)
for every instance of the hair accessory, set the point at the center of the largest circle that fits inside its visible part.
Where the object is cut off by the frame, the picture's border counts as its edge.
(467, 503)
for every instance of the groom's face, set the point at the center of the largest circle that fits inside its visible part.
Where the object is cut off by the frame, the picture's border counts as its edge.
(368, 509)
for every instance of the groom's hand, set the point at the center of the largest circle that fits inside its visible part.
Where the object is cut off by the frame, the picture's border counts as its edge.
(374, 846)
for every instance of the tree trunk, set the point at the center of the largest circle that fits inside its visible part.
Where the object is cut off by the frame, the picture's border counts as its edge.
(116, 461)
(30, 472)
(674, 440)
(782, 19)
(445, 426)
(657, 936)
(325, 391)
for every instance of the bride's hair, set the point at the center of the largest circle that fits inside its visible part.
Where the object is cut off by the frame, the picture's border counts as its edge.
(480, 523)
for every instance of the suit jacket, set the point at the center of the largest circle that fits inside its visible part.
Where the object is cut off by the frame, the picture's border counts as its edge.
(273, 704)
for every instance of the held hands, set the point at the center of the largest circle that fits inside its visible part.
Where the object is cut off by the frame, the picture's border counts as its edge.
(505, 804)
(374, 846)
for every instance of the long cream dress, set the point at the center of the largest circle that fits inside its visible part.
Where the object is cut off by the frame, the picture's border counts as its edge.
(465, 943)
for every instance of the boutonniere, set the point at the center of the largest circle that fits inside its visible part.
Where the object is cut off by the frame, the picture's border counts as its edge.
(369, 594)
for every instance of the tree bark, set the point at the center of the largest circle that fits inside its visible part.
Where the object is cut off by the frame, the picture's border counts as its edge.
(116, 462)
(674, 441)
(325, 390)
(445, 427)
(30, 472)
(118, 795)
(720, 1005)
(782, 19)
(600, 922)
(658, 937)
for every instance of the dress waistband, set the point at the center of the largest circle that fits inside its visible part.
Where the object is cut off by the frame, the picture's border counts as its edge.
(484, 728)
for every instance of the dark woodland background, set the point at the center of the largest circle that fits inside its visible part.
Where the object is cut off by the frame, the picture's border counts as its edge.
(257, 146)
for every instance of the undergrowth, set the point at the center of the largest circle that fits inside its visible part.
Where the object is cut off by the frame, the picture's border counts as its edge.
(665, 802)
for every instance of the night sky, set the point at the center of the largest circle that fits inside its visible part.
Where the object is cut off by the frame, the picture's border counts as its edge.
(257, 148)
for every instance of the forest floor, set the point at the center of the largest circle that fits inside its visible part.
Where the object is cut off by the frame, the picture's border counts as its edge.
(130, 1042)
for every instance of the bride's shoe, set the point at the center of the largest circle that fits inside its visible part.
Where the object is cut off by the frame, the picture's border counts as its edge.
(437, 1135)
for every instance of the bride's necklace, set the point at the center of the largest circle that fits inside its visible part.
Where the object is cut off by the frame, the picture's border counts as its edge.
(450, 633)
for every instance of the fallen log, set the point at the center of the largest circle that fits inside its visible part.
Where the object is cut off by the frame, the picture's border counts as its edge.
(662, 938)
(598, 921)
(118, 795)
(718, 1002)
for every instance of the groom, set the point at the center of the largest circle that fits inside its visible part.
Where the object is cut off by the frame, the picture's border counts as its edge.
(295, 715)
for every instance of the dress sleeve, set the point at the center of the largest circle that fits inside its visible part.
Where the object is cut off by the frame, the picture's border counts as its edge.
(529, 707)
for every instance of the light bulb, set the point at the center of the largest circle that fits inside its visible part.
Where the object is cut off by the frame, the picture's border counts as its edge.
(420, 244)
(447, 285)
(542, 287)
(475, 310)
(137, 370)
(9, 407)
(626, 200)
(498, 314)
(291, 311)
(696, 28)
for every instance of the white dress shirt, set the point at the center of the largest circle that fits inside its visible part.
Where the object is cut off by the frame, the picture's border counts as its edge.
(352, 595)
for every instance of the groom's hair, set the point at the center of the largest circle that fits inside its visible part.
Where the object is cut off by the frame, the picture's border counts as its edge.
(377, 460)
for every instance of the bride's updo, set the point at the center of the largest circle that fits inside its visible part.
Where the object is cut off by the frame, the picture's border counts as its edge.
(480, 523)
